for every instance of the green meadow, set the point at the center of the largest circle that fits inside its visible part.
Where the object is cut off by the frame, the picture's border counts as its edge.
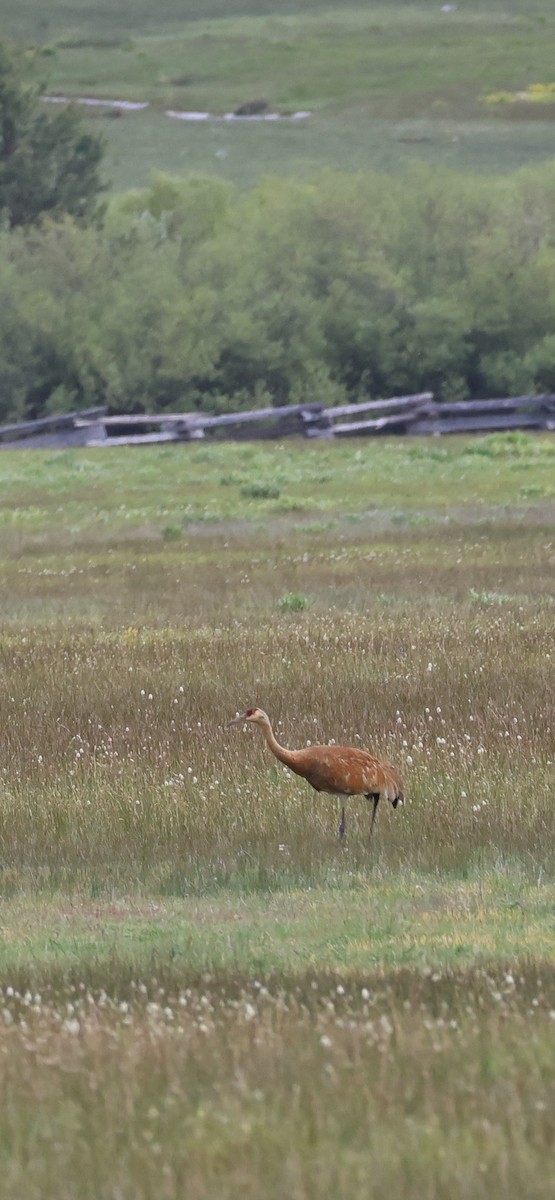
(385, 84)
(202, 990)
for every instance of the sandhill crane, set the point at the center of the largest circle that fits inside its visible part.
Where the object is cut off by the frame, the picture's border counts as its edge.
(340, 770)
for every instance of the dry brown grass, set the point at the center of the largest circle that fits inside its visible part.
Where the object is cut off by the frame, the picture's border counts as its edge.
(115, 757)
(430, 642)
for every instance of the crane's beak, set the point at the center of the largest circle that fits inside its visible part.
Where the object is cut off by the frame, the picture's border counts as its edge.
(237, 720)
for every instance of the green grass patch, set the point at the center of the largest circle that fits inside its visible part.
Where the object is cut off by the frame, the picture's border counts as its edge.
(139, 143)
(373, 923)
(108, 496)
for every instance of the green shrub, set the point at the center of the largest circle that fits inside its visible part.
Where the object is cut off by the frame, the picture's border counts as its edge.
(293, 602)
(260, 491)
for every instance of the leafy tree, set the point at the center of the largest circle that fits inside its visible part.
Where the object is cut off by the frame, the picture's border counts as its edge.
(192, 294)
(49, 164)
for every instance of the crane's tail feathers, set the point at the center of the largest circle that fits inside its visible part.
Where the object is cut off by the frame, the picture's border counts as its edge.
(393, 789)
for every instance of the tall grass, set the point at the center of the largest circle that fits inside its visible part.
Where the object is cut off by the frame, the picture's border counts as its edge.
(116, 759)
(201, 991)
(442, 1086)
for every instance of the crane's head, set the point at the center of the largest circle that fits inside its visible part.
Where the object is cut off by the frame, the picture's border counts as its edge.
(253, 716)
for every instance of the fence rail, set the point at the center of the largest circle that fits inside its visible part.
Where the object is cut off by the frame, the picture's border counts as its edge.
(414, 415)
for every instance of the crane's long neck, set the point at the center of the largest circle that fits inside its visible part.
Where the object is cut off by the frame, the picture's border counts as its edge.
(285, 756)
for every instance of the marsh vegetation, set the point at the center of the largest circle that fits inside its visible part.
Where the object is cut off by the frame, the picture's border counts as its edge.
(202, 990)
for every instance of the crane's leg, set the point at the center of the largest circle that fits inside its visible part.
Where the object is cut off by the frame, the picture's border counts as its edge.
(375, 796)
(342, 824)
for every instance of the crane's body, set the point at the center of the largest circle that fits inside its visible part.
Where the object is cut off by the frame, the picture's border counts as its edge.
(338, 770)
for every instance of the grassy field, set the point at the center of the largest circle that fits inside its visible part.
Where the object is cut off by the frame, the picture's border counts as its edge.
(202, 991)
(243, 154)
(385, 83)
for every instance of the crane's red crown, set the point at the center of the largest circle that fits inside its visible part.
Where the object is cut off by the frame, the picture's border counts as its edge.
(250, 712)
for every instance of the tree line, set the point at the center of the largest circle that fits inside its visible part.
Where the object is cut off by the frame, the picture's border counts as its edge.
(191, 294)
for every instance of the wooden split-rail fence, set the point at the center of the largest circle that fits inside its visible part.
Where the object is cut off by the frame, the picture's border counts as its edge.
(411, 415)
